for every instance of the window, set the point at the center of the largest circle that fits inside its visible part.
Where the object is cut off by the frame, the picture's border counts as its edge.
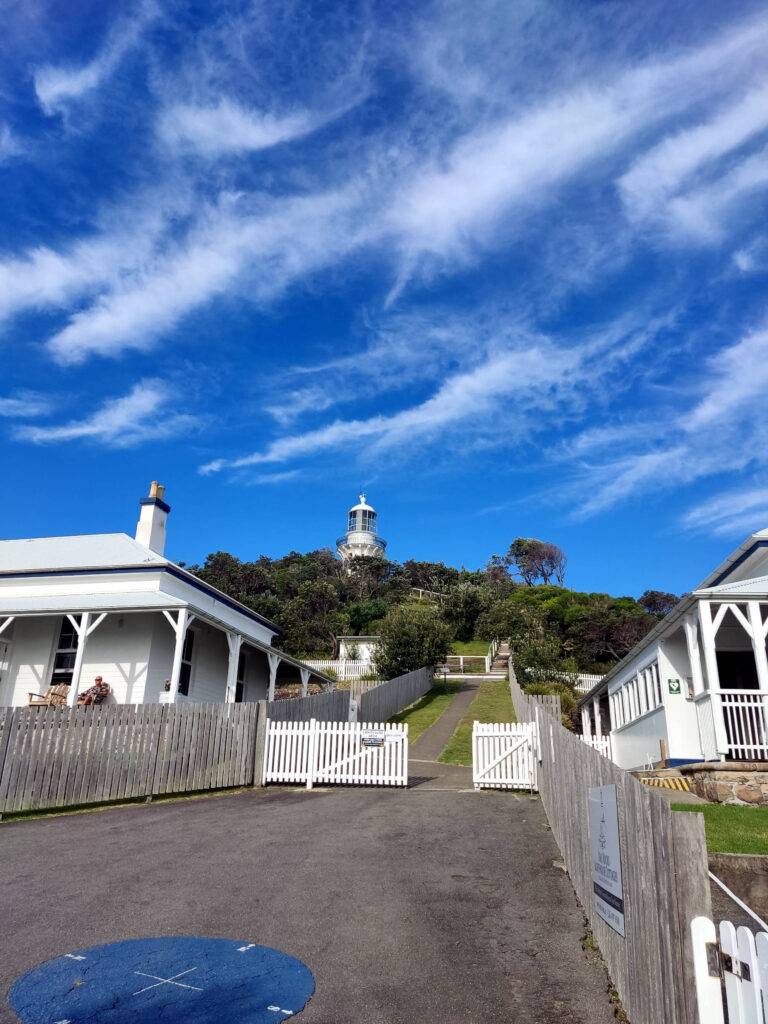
(66, 652)
(185, 674)
(369, 520)
(352, 521)
(240, 685)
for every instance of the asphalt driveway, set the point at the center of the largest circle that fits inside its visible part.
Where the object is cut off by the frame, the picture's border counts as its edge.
(424, 905)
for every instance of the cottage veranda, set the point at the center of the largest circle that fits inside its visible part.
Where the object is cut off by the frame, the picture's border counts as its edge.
(112, 605)
(698, 682)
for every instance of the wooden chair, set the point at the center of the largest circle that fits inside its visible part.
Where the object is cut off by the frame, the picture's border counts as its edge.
(54, 697)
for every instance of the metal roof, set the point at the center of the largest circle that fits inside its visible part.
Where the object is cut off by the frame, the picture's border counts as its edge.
(74, 603)
(90, 551)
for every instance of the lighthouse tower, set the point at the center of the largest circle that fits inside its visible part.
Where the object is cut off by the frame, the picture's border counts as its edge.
(361, 537)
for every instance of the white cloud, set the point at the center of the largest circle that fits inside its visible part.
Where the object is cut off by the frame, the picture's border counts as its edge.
(57, 86)
(511, 165)
(532, 372)
(732, 513)
(716, 424)
(24, 404)
(141, 415)
(660, 174)
(227, 127)
(10, 146)
(289, 240)
(737, 380)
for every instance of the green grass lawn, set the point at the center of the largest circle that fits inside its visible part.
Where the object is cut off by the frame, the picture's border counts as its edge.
(732, 829)
(470, 647)
(492, 704)
(427, 710)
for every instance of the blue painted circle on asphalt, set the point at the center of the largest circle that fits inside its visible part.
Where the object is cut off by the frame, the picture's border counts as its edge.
(169, 980)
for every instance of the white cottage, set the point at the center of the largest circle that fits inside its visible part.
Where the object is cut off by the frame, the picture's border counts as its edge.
(112, 605)
(699, 680)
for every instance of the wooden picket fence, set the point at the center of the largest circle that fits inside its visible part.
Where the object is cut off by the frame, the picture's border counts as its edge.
(64, 757)
(504, 755)
(731, 975)
(664, 869)
(336, 753)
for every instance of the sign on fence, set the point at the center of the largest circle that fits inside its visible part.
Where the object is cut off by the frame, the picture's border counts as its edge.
(336, 752)
(504, 755)
(606, 856)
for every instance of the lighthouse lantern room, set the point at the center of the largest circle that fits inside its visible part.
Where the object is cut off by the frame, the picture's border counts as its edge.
(361, 537)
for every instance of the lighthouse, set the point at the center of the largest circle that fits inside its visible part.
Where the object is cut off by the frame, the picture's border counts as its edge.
(361, 537)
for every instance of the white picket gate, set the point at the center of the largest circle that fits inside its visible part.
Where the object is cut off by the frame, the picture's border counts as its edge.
(346, 753)
(504, 755)
(740, 959)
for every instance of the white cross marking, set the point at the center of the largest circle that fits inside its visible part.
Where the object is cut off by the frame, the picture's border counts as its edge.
(73, 957)
(166, 981)
(286, 1012)
(244, 949)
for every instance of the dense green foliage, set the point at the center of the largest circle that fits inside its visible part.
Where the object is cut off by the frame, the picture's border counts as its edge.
(555, 632)
(412, 635)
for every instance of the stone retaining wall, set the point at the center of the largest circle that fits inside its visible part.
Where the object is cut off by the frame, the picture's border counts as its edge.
(743, 783)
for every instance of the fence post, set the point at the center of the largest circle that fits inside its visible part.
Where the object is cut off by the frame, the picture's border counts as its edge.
(261, 744)
(312, 752)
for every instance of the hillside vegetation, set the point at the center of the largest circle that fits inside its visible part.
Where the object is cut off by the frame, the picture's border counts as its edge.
(555, 632)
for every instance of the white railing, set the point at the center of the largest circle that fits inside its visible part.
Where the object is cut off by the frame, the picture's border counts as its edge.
(351, 753)
(504, 755)
(733, 971)
(745, 717)
(600, 743)
(345, 668)
(583, 681)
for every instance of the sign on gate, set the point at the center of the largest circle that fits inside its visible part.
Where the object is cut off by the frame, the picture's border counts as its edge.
(349, 753)
(606, 856)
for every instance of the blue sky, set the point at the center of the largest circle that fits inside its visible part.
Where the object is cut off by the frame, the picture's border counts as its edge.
(503, 266)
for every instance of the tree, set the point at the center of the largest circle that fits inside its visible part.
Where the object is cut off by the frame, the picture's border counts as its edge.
(536, 559)
(657, 602)
(411, 637)
(312, 620)
(462, 607)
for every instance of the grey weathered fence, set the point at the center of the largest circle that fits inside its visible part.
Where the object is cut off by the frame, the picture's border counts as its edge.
(547, 702)
(323, 707)
(379, 704)
(663, 867)
(62, 757)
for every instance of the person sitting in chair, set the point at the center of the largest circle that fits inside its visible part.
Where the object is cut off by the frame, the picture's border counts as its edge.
(97, 694)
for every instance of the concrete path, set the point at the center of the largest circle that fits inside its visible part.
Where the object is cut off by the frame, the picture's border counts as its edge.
(409, 906)
(432, 741)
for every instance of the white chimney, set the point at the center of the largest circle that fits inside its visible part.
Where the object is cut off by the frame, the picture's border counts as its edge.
(150, 529)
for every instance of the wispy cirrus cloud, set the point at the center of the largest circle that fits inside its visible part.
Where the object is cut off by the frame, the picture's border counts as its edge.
(57, 85)
(650, 186)
(732, 513)
(476, 184)
(24, 405)
(121, 422)
(723, 409)
(227, 128)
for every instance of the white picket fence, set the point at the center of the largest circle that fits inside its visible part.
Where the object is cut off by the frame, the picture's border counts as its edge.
(345, 668)
(346, 753)
(740, 959)
(599, 743)
(504, 755)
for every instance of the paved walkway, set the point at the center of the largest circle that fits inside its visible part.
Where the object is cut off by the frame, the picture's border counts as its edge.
(432, 741)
